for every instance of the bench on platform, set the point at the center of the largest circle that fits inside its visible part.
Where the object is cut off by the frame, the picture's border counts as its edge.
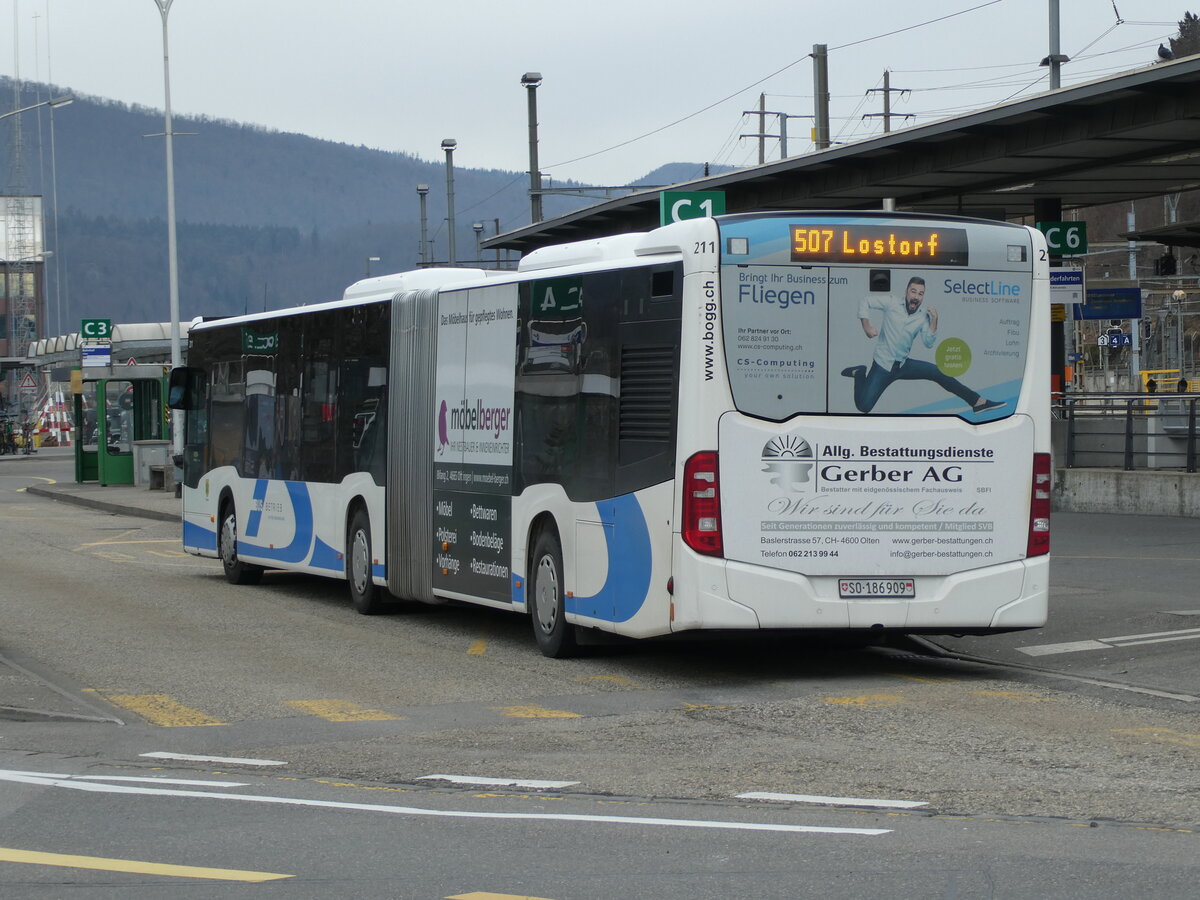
(162, 477)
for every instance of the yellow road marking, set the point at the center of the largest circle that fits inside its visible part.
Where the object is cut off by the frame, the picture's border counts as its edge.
(7, 854)
(1023, 696)
(114, 557)
(159, 709)
(479, 648)
(704, 706)
(110, 543)
(1163, 736)
(168, 554)
(867, 700)
(535, 712)
(342, 711)
(488, 895)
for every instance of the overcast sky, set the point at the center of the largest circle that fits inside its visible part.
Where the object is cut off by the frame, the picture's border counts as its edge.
(402, 75)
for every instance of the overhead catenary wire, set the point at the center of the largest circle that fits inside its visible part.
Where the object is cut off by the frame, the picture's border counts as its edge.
(765, 78)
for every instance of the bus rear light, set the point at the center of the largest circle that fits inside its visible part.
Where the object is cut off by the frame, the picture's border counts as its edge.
(1039, 507)
(702, 504)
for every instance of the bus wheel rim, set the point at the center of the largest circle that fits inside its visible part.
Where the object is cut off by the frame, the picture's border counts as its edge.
(547, 594)
(229, 541)
(358, 562)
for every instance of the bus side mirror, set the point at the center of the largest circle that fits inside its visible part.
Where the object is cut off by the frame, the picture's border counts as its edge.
(179, 393)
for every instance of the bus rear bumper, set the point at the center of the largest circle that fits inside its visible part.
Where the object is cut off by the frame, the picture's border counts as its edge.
(1002, 597)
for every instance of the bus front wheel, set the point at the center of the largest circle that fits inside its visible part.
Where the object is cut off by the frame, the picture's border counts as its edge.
(366, 597)
(236, 571)
(547, 607)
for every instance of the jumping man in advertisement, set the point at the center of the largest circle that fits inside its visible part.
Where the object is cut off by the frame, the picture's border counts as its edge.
(904, 320)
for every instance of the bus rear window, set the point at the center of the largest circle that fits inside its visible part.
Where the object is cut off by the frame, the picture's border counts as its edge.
(859, 340)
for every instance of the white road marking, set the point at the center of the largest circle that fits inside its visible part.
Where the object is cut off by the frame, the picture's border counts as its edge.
(194, 782)
(531, 783)
(832, 801)
(1069, 647)
(1108, 643)
(228, 760)
(130, 778)
(96, 787)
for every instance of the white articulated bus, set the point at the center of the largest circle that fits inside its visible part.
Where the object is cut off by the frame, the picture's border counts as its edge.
(784, 420)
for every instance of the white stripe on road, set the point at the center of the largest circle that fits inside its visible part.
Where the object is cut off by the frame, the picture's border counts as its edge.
(832, 801)
(67, 781)
(228, 760)
(190, 781)
(1069, 647)
(531, 783)
(1108, 643)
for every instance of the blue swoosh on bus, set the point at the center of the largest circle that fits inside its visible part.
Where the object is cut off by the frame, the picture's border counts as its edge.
(629, 563)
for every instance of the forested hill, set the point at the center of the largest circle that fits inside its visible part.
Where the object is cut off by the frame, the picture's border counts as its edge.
(265, 219)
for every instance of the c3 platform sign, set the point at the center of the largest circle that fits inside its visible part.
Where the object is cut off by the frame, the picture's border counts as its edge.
(1065, 238)
(675, 206)
(96, 329)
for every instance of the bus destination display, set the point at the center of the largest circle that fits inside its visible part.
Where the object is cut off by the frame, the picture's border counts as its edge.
(878, 244)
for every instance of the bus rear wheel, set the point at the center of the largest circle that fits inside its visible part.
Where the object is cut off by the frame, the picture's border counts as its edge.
(547, 606)
(236, 571)
(366, 597)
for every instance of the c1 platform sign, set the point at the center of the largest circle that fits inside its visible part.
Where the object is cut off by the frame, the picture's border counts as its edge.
(1065, 238)
(675, 206)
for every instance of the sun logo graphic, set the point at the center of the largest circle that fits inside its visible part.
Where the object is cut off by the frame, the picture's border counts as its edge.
(443, 436)
(788, 461)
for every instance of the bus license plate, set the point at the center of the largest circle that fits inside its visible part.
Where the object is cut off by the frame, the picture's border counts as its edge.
(877, 588)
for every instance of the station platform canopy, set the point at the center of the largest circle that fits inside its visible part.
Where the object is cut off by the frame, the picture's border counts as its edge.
(144, 342)
(1119, 138)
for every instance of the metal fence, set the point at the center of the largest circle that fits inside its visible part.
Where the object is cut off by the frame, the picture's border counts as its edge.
(1130, 431)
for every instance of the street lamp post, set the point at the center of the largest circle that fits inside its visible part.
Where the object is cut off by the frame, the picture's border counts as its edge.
(164, 7)
(531, 80)
(54, 104)
(423, 250)
(371, 259)
(478, 227)
(448, 145)
(1179, 297)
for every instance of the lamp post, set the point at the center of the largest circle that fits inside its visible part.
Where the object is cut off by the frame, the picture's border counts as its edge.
(371, 259)
(478, 226)
(448, 145)
(1179, 297)
(423, 250)
(164, 7)
(55, 103)
(531, 80)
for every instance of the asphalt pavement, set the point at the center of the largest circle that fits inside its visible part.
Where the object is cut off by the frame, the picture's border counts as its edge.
(1132, 576)
(27, 694)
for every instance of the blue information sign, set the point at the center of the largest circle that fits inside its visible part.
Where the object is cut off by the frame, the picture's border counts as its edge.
(1110, 303)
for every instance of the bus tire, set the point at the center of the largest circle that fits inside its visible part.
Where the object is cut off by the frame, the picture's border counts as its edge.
(236, 571)
(547, 605)
(365, 596)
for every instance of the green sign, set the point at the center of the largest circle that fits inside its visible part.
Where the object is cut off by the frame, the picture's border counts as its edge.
(556, 298)
(260, 344)
(675, 206)
(1064, 238)
(96, 329)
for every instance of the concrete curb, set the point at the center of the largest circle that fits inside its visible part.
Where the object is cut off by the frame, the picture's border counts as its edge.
(102, 505)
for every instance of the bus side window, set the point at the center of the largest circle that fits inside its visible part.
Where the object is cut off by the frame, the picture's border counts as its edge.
(648, 347)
